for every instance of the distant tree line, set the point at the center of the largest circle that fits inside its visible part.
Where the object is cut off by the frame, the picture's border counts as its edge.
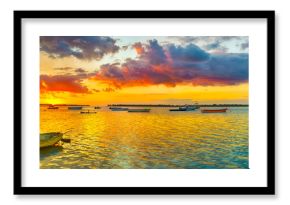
(169, 105)
(158, 105)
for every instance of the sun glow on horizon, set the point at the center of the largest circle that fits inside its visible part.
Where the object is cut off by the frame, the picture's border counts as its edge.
(154, 95)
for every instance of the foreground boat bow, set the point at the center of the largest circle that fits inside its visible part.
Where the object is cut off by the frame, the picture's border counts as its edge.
(50, 139)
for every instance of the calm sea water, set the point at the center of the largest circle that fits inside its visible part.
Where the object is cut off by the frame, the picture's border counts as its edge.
(156, 140)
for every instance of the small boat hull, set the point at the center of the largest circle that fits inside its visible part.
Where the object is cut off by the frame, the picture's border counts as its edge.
(176, 110)
(50, 139)
(119, 109)
(214, 110)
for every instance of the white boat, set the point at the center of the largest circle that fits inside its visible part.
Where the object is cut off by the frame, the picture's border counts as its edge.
(185, 108)
(50, 139)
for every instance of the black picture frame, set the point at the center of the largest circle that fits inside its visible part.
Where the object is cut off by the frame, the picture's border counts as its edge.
(268, 190)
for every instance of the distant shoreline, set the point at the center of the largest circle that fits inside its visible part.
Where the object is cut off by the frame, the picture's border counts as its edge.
(168, 105)
(156, 105)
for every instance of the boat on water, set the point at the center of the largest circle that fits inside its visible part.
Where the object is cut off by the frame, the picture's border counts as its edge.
(185, 108)
(119, 109)
(88, 112)
(50, 139)
(75, 107)
(223, 110)
(139, 110)
(52, 107)
(97, 107)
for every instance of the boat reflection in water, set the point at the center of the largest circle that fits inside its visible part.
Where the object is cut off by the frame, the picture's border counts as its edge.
(50, 151)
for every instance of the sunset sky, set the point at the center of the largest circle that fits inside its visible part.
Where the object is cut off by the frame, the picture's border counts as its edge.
(100, 70)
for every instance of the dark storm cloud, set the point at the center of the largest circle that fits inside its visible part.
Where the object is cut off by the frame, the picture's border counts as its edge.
(81, 47)
(171, 65)
(190, 53)
(154, 53)
(211, 43)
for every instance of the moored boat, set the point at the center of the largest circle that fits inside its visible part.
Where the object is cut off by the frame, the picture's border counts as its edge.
(50, 139)
(75, 107)
(97, 107)
(119, 109)
(214, 110)
(186, 108)
(139, 110)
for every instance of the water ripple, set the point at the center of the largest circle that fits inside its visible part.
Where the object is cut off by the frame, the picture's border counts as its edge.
(156, 140)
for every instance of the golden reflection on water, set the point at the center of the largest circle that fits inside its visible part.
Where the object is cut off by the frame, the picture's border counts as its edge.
(158, 139)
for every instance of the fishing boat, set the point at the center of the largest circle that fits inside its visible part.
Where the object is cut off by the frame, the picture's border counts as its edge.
(88, 112)
(139, 110)
(119, 109)
(186, 108)
(97, 107)
(52, 107)
(214, 110)
(50, 139)
(75, 107)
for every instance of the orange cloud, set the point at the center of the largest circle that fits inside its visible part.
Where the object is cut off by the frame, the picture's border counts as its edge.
(62, 83)
(138, 48)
